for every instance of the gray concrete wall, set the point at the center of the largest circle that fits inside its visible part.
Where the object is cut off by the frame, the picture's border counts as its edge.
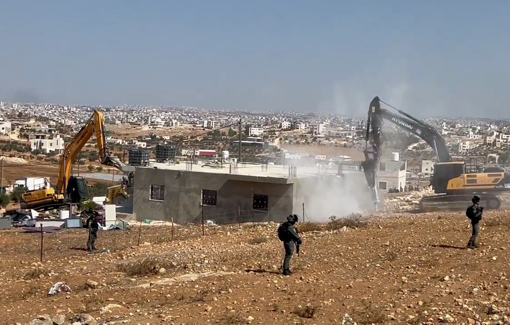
(183, 196)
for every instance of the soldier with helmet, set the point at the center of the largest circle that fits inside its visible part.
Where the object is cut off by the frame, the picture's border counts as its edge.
(474, 212)
(288, 234)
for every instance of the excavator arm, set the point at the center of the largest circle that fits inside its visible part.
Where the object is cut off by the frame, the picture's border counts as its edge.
(95, 126)
(373, 139)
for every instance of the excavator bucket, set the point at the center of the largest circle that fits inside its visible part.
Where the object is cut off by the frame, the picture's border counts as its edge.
(113, 161)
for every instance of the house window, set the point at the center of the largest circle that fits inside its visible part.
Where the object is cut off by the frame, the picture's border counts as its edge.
(157, 193)
(383, 185)
(209, 197)
(382, 166)
(260, 202)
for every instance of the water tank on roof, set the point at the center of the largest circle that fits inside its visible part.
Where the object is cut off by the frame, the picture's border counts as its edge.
(224, 155)
(396, 156)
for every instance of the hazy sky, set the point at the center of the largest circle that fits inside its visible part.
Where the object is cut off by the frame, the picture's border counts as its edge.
(434, 57)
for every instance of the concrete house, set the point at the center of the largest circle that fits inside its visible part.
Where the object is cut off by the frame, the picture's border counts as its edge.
(391, 174)
(240, 193)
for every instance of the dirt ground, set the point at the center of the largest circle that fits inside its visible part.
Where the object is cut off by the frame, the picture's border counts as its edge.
(13, 172)
(408, 269)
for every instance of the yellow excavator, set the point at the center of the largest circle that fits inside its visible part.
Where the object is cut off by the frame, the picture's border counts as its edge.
(453, 182)
(73, 189)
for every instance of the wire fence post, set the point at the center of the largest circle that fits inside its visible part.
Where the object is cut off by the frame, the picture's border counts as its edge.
(303, 211)
(203, 222)
(139, 232)
(42, 243)
(267, 216)
(239, 215)
(172, 228)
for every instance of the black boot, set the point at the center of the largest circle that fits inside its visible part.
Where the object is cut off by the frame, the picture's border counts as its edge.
(287, 272)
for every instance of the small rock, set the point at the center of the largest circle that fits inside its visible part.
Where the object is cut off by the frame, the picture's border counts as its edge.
(59, 320)
(42, 320)
(250, 319)
(91, 284)
(347, 320)
(208, 308)
(493, 310)
(447, 318)
(86, 319)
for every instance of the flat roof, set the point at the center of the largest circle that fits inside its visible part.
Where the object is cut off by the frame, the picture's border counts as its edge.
(255, 170)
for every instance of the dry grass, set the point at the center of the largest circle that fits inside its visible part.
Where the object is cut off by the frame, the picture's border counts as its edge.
(309, 226)
(35, 273)
(371, 314)
(306, 312)
(146, 266)
(258, 240)
(352, 221)
(232, 318)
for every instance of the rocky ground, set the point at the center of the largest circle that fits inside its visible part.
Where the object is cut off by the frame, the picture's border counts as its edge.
(406, 269)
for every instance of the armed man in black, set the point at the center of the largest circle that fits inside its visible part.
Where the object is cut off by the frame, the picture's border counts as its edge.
(93, 227)
(288, 234)
(474, 213)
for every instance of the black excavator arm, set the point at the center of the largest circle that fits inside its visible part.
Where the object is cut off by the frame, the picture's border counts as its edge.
(373, 139)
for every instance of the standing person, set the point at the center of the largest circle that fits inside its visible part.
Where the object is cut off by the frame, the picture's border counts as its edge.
(474, 213)
(288, 234)
(93, 227)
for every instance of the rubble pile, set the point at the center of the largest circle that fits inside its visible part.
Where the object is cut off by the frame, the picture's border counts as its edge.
(405, 202)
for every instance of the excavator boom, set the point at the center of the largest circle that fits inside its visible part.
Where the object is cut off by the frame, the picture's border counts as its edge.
(95, 126)
(373, 138)
(74, 187)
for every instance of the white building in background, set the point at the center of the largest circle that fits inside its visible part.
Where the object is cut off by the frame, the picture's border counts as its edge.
(209, 124)
(5, 127)
(427, 167)
(47, 143)
(318, 129)
(286, 125)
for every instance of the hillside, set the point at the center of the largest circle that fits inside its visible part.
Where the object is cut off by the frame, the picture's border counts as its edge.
(410, 269)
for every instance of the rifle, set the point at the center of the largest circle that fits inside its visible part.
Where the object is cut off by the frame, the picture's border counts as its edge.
(297, 247)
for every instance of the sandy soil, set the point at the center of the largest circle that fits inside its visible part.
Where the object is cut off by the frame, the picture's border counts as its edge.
(410, 269)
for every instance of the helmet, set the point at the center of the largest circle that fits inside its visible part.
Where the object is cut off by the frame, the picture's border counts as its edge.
(292, 218)
(475, 199)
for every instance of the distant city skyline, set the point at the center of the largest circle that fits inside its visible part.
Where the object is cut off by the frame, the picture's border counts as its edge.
(428, 58)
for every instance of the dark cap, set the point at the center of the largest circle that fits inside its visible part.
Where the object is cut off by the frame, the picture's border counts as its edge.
(475, 199)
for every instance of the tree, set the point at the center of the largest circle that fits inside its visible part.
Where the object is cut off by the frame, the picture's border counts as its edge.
(4, 200)
(98, 189)
(503, 158)
(99, 169)
(17, 193)
(90, 168)
(93, 156)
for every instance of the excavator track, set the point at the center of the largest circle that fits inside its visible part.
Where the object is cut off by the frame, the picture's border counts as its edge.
(456, 202)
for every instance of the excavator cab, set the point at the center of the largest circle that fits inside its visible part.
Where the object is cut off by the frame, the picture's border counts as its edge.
(444, 172)
(77, 189)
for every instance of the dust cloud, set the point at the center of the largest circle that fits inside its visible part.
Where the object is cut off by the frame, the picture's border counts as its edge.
(331, 195)
(338, 196)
